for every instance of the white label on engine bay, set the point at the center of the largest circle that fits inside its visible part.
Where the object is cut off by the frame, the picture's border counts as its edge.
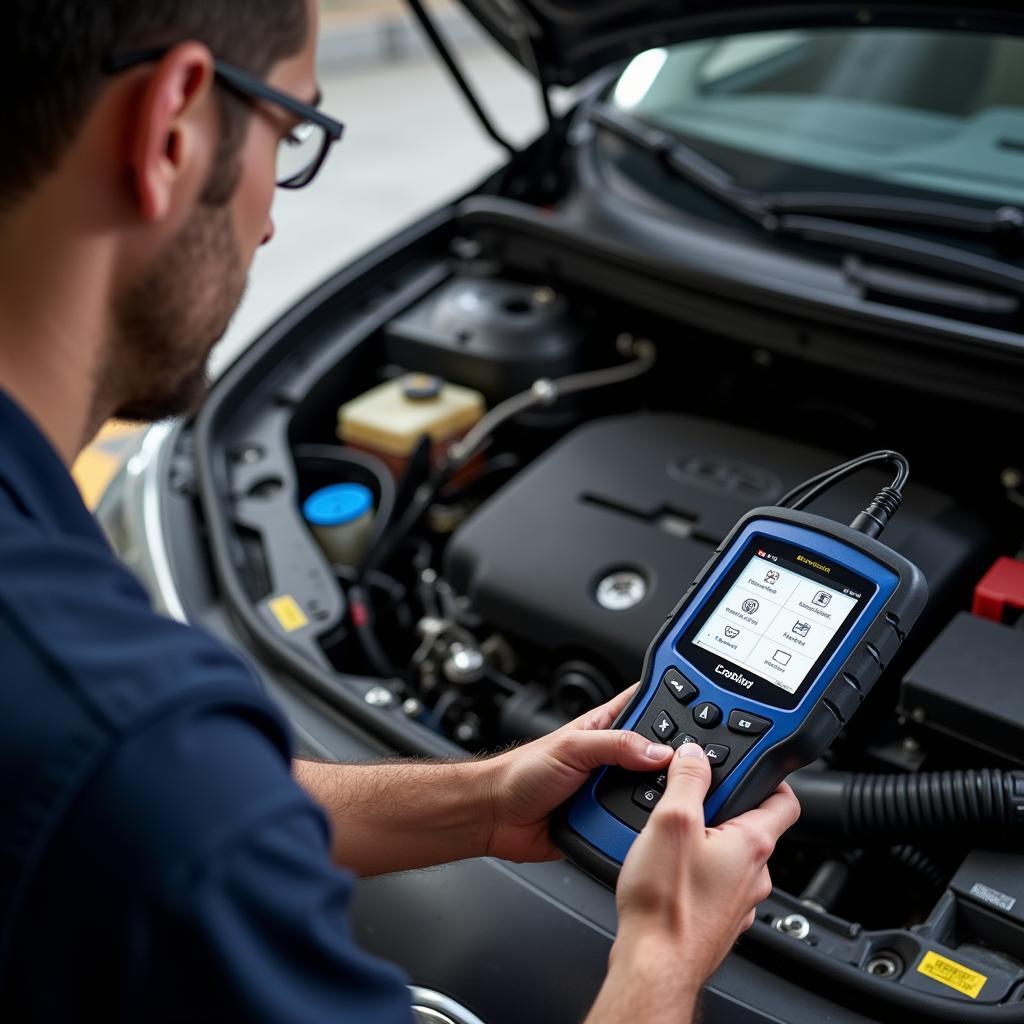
(992, 896)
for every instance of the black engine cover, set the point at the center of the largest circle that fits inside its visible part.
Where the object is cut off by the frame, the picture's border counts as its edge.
(653, 494)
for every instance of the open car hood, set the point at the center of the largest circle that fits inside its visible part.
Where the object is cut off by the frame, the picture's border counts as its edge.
(565, 40)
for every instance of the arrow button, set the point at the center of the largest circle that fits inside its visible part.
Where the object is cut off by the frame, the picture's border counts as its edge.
(707, 715)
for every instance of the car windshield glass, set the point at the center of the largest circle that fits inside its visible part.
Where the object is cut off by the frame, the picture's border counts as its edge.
(930, 110)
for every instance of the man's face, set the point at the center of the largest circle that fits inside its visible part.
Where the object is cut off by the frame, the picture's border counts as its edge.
(169, 318)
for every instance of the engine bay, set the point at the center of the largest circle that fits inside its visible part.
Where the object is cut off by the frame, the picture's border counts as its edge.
(532, 472)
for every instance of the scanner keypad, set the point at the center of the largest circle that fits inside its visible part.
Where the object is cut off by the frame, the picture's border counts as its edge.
(627, 795)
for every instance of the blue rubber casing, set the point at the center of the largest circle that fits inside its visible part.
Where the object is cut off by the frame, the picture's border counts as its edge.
(599, 841)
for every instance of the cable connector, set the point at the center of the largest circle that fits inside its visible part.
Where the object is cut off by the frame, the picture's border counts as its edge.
(874, 519)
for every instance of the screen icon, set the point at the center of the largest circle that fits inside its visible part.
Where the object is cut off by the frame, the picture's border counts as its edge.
(821, 598)
(801, 628)
(731, 632)
(750, 605)
(781, 657)
(771, 576)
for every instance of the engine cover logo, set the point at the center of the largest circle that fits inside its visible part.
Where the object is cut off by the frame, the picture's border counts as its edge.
(621, 591)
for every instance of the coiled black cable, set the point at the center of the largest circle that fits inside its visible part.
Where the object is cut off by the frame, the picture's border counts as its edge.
(986, 803)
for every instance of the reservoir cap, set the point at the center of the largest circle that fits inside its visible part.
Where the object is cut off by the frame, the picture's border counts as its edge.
(337, 505)
(421, 387)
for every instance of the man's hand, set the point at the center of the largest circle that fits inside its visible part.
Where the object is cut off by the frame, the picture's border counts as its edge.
(685, 894)
(396, 815)
(528, 783)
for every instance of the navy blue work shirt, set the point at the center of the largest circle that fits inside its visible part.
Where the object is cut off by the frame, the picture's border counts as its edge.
(157, 861)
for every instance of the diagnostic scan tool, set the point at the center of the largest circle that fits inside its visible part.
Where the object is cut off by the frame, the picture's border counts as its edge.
(768, 655)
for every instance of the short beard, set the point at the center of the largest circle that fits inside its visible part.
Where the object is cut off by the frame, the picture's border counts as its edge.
(169, 320)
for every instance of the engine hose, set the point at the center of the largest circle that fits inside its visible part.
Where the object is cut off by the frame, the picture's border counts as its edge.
(917, 864)
(640, 352)
(854, 807)
(362, 616)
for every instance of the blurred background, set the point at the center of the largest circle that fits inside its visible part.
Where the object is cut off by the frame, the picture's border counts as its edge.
(411, 142)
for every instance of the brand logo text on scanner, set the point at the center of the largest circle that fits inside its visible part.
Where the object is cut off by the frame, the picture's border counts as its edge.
(736, 677)
(813, 564)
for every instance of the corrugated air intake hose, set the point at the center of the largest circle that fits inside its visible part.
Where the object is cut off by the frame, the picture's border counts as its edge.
(854, 807)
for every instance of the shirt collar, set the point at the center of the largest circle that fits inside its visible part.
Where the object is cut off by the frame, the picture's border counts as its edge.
(36, 480)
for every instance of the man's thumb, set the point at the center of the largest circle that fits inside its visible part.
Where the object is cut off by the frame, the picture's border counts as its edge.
(689, 774)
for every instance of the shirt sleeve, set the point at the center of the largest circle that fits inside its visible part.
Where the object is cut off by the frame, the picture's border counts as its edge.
(192, 881)
(261, 930)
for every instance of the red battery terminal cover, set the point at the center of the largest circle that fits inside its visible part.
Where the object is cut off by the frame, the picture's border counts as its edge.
(999, 594)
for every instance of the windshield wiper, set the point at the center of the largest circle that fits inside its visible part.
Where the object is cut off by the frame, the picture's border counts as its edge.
(683, 161)
(1003, 223)
(831, 219)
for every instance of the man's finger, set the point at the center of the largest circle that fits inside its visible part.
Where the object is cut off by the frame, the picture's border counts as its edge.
(689, 776)
(778, 813)
(587, 750)
(602, 716)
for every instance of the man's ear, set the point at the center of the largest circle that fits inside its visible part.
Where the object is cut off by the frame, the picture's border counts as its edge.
(172, 138)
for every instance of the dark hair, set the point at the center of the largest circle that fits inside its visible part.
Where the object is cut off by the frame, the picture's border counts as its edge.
(53, 68)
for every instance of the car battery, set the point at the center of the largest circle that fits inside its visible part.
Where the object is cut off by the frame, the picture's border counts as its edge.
(969, 684)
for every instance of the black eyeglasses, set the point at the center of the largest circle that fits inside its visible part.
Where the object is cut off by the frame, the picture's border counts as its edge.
(301, 153)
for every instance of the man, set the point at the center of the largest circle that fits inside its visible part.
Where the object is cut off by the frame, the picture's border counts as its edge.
(158, 860)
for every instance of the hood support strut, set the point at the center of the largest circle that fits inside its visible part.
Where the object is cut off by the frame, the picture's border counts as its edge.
(428, 26)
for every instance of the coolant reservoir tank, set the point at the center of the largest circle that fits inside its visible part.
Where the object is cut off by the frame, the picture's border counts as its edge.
(389, 420)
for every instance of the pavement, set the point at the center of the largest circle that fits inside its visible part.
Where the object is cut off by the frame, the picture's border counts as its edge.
(410, 143)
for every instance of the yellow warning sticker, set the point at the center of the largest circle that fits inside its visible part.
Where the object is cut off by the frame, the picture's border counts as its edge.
(288, 613)
(949, 972)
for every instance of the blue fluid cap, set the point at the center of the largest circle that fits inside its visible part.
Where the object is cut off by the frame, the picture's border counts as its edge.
(337, 505)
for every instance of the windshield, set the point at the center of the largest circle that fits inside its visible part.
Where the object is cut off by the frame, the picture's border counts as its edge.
(937, 111)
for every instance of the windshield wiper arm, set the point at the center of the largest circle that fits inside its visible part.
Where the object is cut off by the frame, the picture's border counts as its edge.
(683, 161)
(917, 253)
(1004, 222)
(773, 212)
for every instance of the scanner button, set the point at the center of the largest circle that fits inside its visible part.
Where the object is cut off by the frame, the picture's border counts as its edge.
(683, 737)
(717, 754)
(664, 728)
(679, 686)
(706, 715)
(744, 722)
(646, 797)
